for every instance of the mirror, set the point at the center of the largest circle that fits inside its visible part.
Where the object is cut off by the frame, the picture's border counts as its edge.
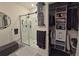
(5, 20)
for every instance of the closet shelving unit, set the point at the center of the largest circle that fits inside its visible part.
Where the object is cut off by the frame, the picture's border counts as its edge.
(60, 27)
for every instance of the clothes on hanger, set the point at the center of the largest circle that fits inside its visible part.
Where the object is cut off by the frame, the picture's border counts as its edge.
(51, 21)
(72, 19)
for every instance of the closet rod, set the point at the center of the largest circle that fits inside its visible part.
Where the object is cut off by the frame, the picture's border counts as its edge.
(73, 7)
(32, 13)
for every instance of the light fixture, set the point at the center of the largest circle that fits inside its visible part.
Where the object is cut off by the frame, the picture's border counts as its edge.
(32, 5)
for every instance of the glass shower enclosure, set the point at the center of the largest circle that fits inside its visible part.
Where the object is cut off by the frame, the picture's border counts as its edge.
(28, 29)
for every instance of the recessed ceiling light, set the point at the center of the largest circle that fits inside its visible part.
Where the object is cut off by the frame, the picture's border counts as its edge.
(32, 5)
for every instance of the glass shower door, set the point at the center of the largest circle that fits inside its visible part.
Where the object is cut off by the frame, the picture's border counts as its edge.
(25, 30)
(33, 23)
(28, 29)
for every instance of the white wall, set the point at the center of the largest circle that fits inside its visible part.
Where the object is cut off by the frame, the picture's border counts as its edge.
(13, 11)
(77, 51)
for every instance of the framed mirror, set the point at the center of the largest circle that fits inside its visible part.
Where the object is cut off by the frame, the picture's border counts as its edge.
(5, 20)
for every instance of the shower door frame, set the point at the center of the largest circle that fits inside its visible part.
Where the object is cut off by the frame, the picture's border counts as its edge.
(21, 27)
(21, 30)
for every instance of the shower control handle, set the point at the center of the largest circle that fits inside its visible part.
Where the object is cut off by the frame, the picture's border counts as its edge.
(25, 25)
(30, 26)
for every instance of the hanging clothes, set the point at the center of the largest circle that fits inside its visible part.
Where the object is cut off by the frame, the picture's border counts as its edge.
(51, 21)
(72, 20)
(72, 27)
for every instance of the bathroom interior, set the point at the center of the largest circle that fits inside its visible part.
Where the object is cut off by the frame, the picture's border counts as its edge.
(39, 28)
(21, 33)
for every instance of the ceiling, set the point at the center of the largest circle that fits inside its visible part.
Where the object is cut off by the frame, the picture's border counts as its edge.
(28, 5)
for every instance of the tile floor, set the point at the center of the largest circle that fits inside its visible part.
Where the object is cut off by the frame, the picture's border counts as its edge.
(26, 51)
